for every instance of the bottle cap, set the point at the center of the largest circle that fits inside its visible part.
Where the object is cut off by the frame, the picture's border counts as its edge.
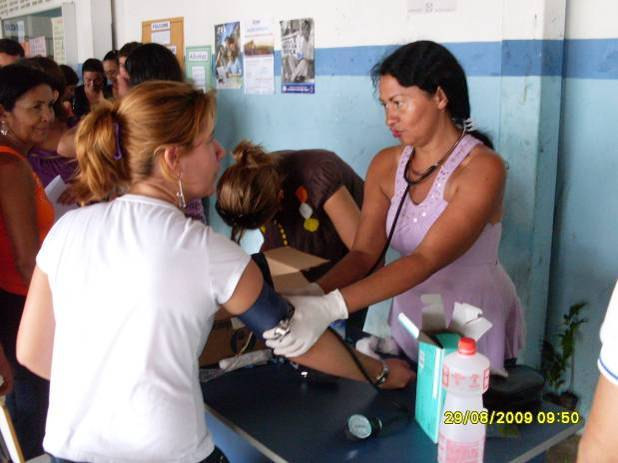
(466, 346)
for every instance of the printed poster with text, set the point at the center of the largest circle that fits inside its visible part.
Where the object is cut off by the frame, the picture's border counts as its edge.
(259, 57)
(58, 39)
(297, 56)
(197, 66)
(227, 63)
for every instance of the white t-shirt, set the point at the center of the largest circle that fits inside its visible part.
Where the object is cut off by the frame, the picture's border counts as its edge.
(135, 286)
(608, 358)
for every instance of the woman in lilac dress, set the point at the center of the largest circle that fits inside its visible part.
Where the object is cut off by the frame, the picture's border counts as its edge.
(449, 226)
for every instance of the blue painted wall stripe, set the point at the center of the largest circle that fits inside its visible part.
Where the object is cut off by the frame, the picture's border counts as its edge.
(581, 58)
(592, 59)
(532, 57)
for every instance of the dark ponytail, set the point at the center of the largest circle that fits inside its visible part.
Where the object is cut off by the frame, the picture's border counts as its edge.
(428, 65)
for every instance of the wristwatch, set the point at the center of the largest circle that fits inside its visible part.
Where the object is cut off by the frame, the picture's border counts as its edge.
(383, 376)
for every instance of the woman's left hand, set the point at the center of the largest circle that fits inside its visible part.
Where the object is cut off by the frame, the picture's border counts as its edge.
(399, 375)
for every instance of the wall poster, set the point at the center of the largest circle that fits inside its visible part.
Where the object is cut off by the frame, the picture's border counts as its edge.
(259, 57)
(297, 56)
(227, 62)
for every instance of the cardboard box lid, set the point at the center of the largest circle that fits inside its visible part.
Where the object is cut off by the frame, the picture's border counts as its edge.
(285, 264)
(286, 260)
(466, 320)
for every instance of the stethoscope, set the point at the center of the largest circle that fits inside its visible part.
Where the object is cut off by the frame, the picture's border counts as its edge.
(360, 427)
(411, 183)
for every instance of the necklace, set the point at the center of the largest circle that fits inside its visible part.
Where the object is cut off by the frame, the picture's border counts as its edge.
(284, 237)
(430, 170)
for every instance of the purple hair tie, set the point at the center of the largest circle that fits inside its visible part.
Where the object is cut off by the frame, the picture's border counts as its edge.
(118, 153)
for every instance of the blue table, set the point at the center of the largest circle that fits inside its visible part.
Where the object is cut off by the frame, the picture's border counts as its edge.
(286, 419)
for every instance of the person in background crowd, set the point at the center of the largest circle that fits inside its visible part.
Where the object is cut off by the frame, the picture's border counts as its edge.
(71, 80)
(307, 199)
(123, 76)
(446, 184)
(44, 157)
(10, 51)
(124, 327)
(152, 61)
(27, 99)
(110, 66)
(93, 90)
(598, 443)
(144, 62)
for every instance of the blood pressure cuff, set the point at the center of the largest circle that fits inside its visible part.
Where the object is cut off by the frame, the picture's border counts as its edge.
(269, 308)
(266, 312)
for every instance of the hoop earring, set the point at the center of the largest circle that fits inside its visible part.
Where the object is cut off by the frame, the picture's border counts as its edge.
(180, 195)
(4, 130)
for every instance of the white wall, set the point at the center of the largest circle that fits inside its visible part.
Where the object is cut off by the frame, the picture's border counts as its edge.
(94, 28)
(591, 19)
(340, 23)
(92, 25)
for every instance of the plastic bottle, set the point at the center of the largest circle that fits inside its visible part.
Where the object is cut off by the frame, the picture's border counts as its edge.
(465, 377)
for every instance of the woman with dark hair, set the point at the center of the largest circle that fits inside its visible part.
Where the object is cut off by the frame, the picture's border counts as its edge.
(71, 80)
(152, 61)
(123, 76)
(93, 89)
(110, 67)
(44, 157)
(442, 186)
(11, 51)
(27, 100)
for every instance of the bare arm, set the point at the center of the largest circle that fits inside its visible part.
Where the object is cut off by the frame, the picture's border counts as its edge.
(599, 443)
(371, 234)
(344, 214)
(476, 196)
(35, 339)
(66, 145)
(19, 214)
(330, 356)
(327, 354)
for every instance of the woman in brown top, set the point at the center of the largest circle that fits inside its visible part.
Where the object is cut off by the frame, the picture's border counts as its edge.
(307, 199)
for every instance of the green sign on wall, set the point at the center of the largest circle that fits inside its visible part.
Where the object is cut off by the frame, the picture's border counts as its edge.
(198, 67)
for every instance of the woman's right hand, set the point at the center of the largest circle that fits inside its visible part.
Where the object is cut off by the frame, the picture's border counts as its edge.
(312, 315)
(400, 374)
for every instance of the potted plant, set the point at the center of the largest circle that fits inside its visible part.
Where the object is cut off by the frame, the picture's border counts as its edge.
(554, 361)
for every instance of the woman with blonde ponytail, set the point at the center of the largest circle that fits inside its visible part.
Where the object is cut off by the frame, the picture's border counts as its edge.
(125, 290)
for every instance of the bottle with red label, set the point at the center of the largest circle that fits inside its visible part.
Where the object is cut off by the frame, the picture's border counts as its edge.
(465, 377)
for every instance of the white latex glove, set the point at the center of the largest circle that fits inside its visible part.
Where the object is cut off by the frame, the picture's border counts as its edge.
(312, 289)
(312, 315)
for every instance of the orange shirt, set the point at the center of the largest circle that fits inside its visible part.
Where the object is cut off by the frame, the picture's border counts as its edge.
(10, 278)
